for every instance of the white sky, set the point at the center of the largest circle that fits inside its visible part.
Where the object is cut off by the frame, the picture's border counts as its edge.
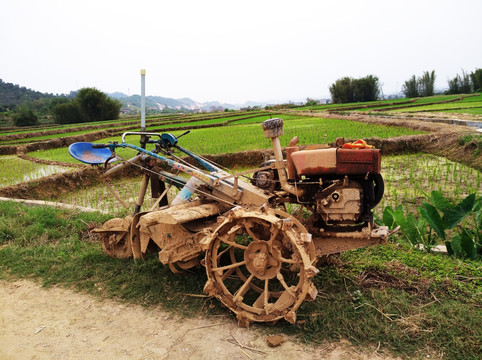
(234, 51)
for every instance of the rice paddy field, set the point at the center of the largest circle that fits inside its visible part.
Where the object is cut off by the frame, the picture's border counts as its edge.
(407, 177)
(16, 170)
(462, 104)
(248, 135)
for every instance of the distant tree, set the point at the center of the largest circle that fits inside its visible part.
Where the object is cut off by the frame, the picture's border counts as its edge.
(95, 106)
(346, 89)
(25, 116)
(67, 113)
(466, 85)
(111, 109)
(89, 105)
(476, 79)
(311, 102)
(454, 87)
(460, 84)
(423, 86)
(366, 88)
(342, 91)
(426, 84)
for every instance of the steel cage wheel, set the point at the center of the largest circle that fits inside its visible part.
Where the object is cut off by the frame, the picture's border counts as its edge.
(258, 265)
(114, 237)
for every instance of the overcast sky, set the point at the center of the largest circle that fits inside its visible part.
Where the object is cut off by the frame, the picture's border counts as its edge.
(234, 51)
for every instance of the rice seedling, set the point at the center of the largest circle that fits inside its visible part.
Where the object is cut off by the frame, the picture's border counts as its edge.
(15, 170)
(408, 178)
(236, 138)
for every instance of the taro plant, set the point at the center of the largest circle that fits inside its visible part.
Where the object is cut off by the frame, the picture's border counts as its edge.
(414, 230)
(458, 225)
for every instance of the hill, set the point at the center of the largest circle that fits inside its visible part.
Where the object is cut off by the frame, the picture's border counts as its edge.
(160, 103)
(12, 95)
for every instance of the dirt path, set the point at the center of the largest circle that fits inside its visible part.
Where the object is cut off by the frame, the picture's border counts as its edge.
(37, 323)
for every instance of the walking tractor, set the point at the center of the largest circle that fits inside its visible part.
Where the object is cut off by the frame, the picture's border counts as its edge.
(258, 240)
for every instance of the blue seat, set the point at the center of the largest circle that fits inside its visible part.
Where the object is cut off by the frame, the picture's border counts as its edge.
(83, 151)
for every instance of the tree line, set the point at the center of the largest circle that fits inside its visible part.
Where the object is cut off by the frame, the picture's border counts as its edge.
(347, 89)
(24, 106)
(368, 88)
(89, 105)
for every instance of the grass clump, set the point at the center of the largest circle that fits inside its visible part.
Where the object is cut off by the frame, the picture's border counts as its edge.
(406, 301)
(390, 297)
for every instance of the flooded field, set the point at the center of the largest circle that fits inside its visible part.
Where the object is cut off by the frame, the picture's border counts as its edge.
(16, 170)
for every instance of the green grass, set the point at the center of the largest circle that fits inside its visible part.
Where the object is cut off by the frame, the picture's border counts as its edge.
(236, 138)
(408, 302)
(361, 104)
(377, 105)
(475, 98)
(473, 111)
(58, 127)
(121, 126)
(442, 107)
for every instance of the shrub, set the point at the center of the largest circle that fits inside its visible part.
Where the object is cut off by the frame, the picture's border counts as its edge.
(25, 117)
(89, 105)
(68, 113)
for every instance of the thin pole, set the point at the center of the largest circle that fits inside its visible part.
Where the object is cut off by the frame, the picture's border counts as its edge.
(143, 100)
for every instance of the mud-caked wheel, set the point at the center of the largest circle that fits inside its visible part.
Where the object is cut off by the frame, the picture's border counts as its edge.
(114, 237)
(259, 265)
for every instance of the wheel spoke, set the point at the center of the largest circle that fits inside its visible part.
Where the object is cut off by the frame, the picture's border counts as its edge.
(274, 234)
(234, 229)
(227, 274)
(242, 290)
(289, 261)
(231, 266)
(281, 279)
(229, 240)
(223, 252)
(266, 295)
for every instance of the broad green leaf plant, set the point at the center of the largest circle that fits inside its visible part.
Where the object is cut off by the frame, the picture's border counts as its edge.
(458, 225)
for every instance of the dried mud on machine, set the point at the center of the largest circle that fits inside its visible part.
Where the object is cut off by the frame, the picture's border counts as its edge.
(260, 240)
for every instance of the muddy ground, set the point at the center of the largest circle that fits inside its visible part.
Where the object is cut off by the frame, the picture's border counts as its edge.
(55, 323)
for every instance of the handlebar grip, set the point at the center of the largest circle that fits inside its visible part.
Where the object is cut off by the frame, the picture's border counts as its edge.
(184, 133)
(99, 146)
